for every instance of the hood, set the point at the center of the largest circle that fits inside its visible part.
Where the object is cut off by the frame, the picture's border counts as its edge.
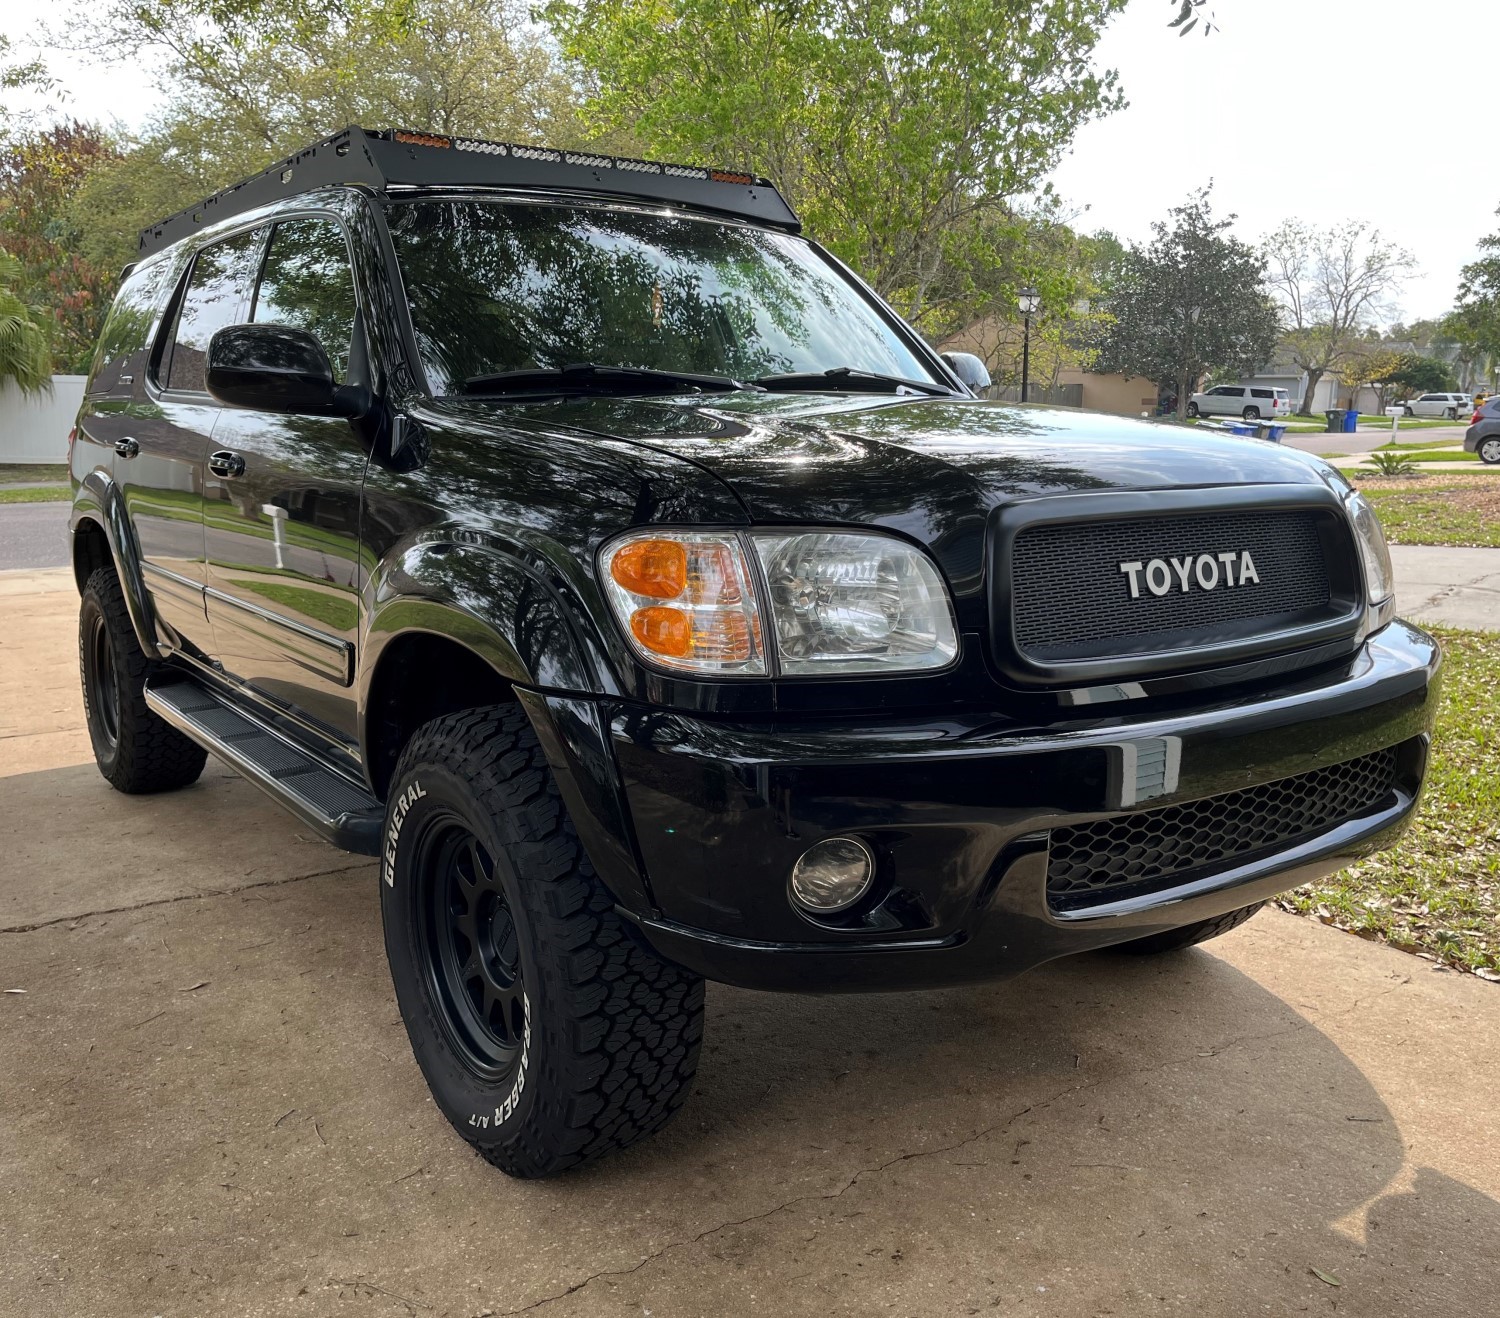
(930, 468)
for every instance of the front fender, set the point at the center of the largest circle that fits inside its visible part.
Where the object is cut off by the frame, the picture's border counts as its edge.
(507, 607)
(99, 500)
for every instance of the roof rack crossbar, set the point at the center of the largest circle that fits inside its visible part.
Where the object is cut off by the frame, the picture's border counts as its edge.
(397, 157)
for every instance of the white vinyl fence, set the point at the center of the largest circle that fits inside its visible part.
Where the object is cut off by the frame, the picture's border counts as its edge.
(34, 427)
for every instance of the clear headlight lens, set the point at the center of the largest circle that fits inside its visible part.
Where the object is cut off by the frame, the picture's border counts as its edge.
(845, 603)
(837, 603)
(1380, 579)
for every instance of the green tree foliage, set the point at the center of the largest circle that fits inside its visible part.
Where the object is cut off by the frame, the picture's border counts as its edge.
(899, 132)
(1473, 326)
(1190, 302)
(252, 80)
(24, 354)
(1414, 374)
(1332, 284)
(40, 171)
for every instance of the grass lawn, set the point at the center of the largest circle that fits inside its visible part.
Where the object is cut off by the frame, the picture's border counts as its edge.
(1437, 892)
(47, 494)
(12, 473)
(1450, 509)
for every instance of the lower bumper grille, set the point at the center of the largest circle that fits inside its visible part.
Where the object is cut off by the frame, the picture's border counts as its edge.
(1147, 850)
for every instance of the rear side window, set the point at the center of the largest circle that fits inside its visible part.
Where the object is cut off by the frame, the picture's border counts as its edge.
(306, 283)
(1261, 393)
(121, 354)
(217, 289)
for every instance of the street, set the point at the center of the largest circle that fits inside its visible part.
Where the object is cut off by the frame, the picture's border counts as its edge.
(33, 535)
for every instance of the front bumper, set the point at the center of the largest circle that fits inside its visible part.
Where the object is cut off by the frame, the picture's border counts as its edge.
(959, 811)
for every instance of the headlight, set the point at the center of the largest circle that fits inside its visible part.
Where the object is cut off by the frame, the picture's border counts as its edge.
(827, 602)
(1380, 579)
(843, 603)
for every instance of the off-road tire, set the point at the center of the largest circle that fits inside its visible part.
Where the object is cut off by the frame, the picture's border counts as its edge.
(136, 750)
(1176, 939)
(609, 1043)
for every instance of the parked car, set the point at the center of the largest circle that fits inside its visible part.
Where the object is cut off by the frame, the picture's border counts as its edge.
(1451, 406)
(1483, 434)
(597, 552)
(1249, 401)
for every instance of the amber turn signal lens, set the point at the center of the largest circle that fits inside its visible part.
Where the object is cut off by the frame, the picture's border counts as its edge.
(663, 630)
(656, 569)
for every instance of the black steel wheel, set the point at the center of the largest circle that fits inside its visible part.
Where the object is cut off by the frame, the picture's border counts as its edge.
(135, 750)
(548, 1033)
(472, 946)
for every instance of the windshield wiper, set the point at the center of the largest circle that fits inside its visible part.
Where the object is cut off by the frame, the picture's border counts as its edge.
(847, 377)
(590, 375)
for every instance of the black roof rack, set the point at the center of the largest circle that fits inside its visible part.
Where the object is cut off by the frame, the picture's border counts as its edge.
(394, 157)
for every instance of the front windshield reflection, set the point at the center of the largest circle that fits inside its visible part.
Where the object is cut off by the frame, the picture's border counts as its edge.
(506, 287)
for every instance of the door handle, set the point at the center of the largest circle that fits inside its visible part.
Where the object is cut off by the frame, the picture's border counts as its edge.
(126, 448)
(225, 463)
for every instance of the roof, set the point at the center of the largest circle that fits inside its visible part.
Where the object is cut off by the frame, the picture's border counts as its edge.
(394, 158)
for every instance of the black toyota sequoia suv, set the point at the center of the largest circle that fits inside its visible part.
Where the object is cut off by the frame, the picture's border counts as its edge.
(609, 561)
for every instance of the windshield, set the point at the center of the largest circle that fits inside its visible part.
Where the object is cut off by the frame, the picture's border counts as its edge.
(498, 287)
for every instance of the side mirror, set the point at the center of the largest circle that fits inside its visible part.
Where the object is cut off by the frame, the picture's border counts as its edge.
(969, 369)
(274, 368)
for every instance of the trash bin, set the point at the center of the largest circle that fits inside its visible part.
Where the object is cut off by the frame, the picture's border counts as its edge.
(1274, 433)
(1335, 417)
(1351, 420)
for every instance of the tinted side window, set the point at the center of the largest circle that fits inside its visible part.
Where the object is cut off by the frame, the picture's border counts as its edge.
(121, 354)
(1262, 393)
(307, 283)
(215, 297)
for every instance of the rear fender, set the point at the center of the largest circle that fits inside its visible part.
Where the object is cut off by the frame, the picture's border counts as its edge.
(99, 500)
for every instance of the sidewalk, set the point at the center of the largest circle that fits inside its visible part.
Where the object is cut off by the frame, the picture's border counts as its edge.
(1452, 587)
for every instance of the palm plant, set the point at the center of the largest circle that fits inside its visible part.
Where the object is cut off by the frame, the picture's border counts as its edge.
(24, 353)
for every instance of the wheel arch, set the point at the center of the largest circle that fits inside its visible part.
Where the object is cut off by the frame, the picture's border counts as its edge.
(99, 527)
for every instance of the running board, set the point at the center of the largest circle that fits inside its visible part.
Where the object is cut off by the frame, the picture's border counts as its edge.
(325, 800)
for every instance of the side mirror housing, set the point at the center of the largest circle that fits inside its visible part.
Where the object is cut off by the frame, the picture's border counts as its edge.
(274, 368)
(969, 369)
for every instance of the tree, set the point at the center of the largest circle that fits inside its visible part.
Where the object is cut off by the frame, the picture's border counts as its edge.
(1332, 283)
(24, 355)
(889, 127)
(40, 171)
(252, 80)
(1191, 301)
(1415, 374)
(1473, 325)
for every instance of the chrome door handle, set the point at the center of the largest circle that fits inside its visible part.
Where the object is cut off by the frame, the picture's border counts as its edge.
(225, 463)
(126, 448)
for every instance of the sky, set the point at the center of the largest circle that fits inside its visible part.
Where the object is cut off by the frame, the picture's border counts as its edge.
(1325, 110)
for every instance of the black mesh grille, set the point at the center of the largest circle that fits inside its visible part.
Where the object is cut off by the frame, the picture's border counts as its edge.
(1072, 601)
(1147, 850)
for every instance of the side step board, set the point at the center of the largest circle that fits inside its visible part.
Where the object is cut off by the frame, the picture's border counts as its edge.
(336, 807)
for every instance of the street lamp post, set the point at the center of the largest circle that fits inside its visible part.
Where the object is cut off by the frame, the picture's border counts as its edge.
(1030, 301)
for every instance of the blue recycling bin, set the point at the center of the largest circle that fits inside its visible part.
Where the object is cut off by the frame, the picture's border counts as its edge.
(1351, 419)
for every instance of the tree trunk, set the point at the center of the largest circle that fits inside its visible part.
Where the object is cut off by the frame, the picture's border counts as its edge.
(1313, 377)
(1182, 397)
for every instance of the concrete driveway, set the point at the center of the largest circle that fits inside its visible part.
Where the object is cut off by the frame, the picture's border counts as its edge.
(208, 1106)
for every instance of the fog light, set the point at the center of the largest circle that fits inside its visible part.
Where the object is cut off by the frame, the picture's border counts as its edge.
(832, 875)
